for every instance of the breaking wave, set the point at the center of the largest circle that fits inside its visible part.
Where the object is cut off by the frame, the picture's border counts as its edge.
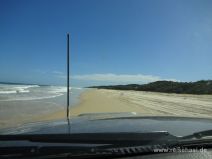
(9, 92)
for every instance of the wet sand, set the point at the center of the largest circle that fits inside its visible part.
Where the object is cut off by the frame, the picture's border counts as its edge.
(16, 113)
(143, 103)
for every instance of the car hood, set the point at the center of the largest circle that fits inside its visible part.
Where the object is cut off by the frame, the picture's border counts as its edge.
(116, 122)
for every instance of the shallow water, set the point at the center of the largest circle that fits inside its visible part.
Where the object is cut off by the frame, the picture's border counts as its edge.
(25, 102)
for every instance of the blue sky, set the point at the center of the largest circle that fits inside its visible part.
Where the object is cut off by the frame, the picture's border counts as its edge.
(112, 41)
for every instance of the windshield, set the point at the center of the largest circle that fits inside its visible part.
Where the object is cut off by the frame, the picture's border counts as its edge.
(139, 59)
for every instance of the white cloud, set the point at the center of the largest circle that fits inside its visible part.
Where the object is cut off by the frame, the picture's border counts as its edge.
(119, 78)
(57, 72)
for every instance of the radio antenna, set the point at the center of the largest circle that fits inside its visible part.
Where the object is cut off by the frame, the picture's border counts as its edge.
(68, 76)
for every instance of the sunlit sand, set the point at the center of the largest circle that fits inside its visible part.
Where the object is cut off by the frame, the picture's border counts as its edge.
(144, 103)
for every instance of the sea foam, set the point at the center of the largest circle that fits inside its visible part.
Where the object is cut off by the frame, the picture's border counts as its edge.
(31, 92)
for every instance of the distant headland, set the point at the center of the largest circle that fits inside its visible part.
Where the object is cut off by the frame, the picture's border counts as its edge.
(199, 87)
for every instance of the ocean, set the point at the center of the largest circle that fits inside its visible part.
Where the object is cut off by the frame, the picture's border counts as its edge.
(14, 92)
(23, 102)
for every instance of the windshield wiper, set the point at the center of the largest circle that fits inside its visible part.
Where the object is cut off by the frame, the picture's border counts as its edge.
(51, 152)
(110, 144)
(196, 140)
(94, 138)
(199, 135)
(77, 152)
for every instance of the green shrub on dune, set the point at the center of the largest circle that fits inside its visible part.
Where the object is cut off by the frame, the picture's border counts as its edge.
(199, 87)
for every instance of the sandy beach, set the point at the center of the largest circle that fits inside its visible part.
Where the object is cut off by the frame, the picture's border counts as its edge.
(143, 103)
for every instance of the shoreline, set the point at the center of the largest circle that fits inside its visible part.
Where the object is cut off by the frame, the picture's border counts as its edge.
(143, 103)
(16, 113)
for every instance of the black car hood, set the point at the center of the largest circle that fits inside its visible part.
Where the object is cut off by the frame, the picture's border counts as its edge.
(116, 122)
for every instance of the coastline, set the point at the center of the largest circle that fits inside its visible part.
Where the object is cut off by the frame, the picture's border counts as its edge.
(143, 103)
